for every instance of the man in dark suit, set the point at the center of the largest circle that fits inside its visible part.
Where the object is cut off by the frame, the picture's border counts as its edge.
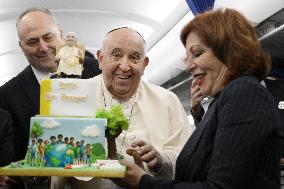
(20, 95)
(39, 35)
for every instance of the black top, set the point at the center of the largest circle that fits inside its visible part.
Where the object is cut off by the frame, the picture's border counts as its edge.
(236, 145)
(276, 88)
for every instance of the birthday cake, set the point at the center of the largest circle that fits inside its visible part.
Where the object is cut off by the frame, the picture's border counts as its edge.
(66, 132)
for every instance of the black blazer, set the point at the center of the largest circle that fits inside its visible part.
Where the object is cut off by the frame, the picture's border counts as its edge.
(6, 139)
(237, 145)
(276, 88)
(91, 66)
(20, 97)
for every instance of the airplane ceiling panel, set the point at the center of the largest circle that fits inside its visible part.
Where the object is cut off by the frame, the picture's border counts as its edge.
(93, 27)
(91, 20)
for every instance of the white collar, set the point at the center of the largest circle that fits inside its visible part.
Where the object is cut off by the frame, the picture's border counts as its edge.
(40, 75)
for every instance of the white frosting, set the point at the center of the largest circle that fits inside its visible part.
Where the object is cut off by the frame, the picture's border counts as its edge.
(72, 97)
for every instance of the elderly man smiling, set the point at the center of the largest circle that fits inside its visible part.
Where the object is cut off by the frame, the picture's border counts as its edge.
(158, 124)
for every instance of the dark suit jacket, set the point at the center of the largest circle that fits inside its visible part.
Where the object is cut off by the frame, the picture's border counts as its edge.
(237, 145)
(20, 97)
(91, 66)
(6, 139)
(276, 88)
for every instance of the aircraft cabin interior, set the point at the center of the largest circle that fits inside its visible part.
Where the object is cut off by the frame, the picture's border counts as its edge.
(159, 22)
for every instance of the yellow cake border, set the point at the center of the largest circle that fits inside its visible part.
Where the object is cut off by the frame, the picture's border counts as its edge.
(115, 173)
(45, 88)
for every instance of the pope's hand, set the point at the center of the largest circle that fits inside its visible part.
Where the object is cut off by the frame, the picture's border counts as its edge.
(148, 154)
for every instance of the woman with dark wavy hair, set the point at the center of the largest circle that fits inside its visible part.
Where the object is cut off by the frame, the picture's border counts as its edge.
(237, 144)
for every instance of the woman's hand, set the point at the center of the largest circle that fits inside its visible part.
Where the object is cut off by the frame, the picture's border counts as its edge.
(196, 98)
(148, 154)
(132, 177)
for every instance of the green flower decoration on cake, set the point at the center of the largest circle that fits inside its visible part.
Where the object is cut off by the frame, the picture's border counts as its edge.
(116, 121)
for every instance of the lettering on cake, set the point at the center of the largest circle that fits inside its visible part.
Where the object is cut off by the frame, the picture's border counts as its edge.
(51, 97)
(73, 98)
(67, 85)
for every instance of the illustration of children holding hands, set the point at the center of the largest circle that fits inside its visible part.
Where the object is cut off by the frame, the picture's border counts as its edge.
(33, 151)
